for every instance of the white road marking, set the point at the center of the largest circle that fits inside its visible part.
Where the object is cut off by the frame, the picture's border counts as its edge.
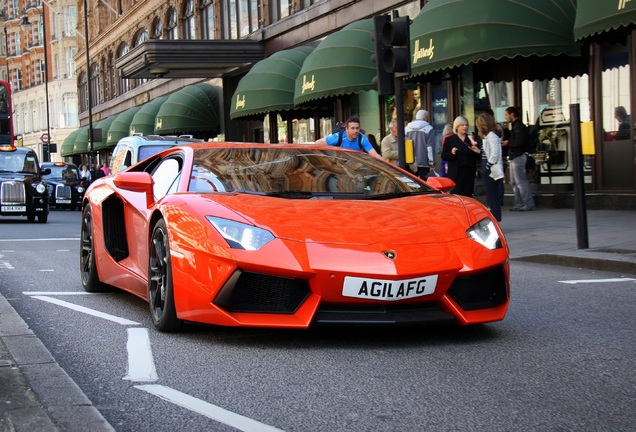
(572, 282)
(47, 270)
(141, 365)
(204, 408)
(113, 318)
(6, 265)
(50, 293)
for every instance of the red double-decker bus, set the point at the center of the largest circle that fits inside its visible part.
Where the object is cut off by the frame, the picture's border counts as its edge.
(6, 108)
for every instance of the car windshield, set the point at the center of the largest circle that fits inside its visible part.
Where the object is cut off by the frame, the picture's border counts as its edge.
(300, 173)
(64, 172)
(149, 150)
(18, 162)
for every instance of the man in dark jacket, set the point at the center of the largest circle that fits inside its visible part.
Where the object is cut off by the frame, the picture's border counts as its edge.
(517, 148)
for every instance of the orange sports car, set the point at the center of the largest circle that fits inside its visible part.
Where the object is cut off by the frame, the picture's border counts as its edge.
(291, 236)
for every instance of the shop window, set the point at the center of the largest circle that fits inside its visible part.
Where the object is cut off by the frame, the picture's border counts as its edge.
(617, 150)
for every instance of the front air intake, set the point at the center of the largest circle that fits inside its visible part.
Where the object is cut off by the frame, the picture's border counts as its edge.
(480, 291)
(261, 293)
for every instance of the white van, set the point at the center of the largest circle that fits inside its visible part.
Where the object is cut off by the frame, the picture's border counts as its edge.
(132, 149)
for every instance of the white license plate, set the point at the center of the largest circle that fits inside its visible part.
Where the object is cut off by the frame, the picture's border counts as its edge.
(391, 290)
(14, 208)
(63, 201)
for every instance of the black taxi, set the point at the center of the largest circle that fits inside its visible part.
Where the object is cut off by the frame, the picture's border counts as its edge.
(63, 185)
(22, 189)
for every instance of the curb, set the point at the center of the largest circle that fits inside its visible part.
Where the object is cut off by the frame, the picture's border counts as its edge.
(591, 260)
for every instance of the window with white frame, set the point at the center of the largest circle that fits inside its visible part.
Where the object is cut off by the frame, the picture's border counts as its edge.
(70, 115)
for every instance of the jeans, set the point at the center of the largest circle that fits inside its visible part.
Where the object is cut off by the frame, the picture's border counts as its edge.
(519, 182)
(492, 191)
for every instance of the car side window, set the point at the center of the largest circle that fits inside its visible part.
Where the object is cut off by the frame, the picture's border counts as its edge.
(166, 177)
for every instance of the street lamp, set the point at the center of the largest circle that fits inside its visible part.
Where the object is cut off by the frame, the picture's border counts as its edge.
(88, 89)
(25, 24)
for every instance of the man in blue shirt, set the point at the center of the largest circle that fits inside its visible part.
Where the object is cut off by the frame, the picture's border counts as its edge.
(352, 138)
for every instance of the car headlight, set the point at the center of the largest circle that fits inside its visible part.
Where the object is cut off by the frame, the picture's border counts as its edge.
(485, 233)
(241, 236)
(41, 188)
(80, 189)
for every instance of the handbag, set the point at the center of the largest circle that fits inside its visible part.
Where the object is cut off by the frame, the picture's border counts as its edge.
(496, 171)
(480, 187)
(530, 162)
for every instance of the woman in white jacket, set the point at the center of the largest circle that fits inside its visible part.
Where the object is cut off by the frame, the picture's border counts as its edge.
(491, 161)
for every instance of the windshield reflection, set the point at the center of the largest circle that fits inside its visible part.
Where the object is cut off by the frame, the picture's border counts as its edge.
(308, 173)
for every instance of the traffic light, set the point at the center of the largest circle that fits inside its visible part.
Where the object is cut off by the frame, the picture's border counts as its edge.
(396, 37)
(383, 79)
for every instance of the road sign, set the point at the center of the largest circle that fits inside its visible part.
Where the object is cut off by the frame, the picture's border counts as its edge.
(45, 138)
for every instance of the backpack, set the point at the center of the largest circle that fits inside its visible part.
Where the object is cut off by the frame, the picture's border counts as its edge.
(532, 139)
(341, 132)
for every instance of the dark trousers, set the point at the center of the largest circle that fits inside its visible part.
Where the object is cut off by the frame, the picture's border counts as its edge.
(492, 191)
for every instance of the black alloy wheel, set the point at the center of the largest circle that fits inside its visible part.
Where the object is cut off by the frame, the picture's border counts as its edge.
(160, 289)
(88, 270)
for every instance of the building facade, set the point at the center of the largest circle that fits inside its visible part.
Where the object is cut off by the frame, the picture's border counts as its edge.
(467, 57)
(39, 47)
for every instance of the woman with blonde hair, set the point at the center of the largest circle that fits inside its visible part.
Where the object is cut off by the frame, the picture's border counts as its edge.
(462, 152)
(491, 161)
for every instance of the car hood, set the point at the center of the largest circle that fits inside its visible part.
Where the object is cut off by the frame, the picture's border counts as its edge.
(417, 219)
(57, 180)
(9, 176)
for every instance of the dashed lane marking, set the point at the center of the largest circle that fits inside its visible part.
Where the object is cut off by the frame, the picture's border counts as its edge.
(109, 317)
(572, 282)
(207, 409)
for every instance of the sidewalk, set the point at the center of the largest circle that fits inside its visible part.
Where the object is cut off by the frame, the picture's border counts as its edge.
(37, 394)
(551, 236)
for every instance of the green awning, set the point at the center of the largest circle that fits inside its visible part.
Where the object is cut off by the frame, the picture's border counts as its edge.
(120, 127)
(192, 109)
(81, 141)
(68, 145)
(143, 121)
(595, 17)
(341, 64)
(447, 34)
(269, 85)
(104, 125)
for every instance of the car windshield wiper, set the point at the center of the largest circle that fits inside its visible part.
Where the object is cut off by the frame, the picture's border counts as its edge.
(293, 194)
(392, 195)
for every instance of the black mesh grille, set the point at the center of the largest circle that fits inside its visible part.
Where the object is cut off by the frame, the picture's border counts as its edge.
(114, 228)
(381, 316)
(255, 292)
(480, 291)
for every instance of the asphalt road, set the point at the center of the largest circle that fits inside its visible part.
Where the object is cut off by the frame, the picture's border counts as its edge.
(563, 358)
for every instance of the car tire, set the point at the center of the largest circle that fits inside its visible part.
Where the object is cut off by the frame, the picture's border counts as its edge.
(160, 289)
(30, 218)
(88, 269)
(43, 218)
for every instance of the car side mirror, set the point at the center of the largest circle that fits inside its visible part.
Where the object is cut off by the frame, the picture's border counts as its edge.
(443, 184)
(45, 171)
(136, 182)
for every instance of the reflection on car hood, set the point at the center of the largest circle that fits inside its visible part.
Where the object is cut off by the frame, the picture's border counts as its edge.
(417, 219)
